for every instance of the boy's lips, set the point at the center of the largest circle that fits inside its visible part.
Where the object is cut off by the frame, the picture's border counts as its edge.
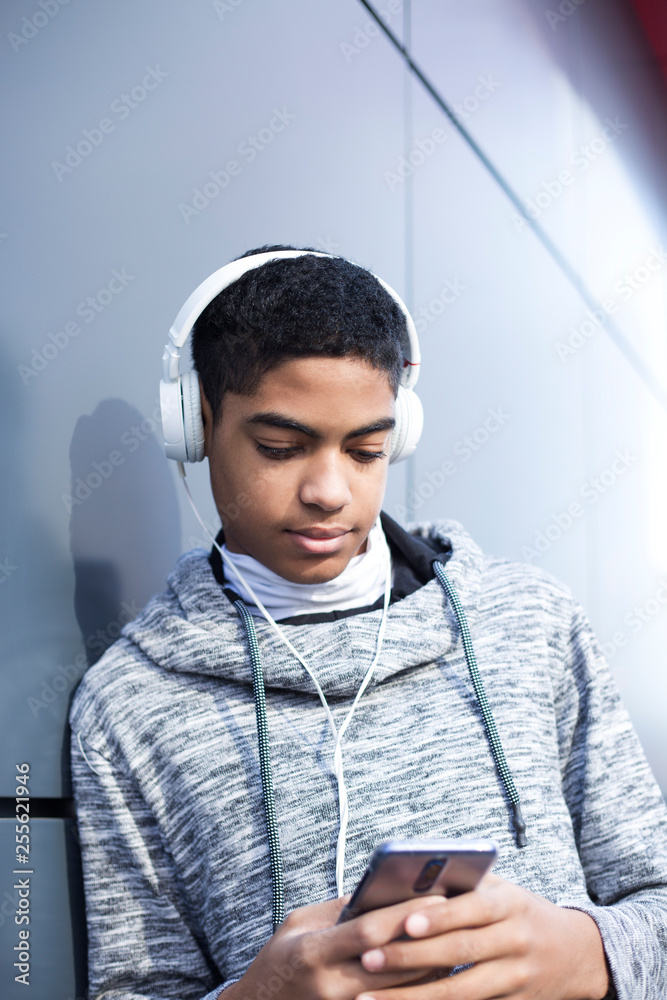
(319, 540)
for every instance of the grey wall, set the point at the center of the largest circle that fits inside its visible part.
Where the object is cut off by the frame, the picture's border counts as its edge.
(100, 247)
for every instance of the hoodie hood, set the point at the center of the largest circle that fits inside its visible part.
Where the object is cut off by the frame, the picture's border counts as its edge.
(193, 628)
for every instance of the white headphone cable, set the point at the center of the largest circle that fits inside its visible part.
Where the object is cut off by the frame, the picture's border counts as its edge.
(337, 733)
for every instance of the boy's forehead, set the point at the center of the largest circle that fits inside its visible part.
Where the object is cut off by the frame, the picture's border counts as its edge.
(308, 393)
(321, 377)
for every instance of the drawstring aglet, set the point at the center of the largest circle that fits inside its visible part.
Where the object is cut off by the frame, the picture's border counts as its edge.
(519, 825)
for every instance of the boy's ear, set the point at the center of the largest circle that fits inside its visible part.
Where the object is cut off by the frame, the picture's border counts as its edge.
(207, 420)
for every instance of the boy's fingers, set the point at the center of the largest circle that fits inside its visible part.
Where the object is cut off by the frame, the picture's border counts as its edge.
(461, 947)
(370, 930)
(494, 980)
(326, 943)
(471, 909)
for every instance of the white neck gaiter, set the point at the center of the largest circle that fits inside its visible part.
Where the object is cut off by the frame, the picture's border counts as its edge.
(362, 582)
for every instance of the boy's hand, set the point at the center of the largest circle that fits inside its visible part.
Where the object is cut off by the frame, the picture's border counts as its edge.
(520, 944)
(310, 957)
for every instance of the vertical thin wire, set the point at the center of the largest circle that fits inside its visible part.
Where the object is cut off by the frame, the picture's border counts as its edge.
(337, 734)
(408, 209)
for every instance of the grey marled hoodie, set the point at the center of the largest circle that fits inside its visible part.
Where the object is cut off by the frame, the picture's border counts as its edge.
(173, 838)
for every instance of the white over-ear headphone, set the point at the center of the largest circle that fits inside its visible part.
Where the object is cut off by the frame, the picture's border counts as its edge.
(180, 402)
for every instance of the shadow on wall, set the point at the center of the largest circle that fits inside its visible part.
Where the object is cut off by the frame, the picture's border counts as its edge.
(38, 627)
(125, 530)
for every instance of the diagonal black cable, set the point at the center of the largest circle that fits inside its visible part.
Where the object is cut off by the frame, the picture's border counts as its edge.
(633, 358)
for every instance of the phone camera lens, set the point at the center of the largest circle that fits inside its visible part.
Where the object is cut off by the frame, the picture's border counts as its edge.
(429, 874)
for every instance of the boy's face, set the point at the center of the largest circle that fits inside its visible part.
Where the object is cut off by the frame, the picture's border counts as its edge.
(322, 479)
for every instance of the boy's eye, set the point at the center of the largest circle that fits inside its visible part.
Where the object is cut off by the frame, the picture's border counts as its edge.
(279, 453)
(368, 456)
(276, 452)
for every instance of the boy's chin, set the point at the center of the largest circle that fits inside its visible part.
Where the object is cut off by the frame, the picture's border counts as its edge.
(311, 571)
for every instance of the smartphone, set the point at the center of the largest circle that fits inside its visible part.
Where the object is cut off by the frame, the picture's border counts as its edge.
(404, 869)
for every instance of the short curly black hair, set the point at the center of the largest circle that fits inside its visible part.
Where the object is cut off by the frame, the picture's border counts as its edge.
(289, 308)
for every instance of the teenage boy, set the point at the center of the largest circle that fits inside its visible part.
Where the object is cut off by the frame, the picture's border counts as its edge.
(189, 827)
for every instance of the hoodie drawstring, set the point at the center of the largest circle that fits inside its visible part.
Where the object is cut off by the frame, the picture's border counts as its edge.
(276, 865)
(276, 861)
(489, 722)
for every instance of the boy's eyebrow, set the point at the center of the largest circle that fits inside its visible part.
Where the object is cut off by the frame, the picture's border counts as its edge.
(273, 419)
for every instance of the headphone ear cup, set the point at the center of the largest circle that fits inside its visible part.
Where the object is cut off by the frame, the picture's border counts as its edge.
(409, 416)
(193, 425)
